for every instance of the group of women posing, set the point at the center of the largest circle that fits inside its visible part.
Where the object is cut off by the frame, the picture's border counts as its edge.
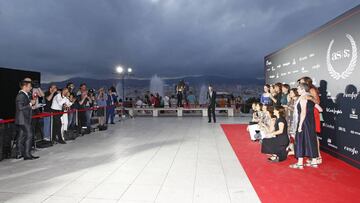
(287, 122)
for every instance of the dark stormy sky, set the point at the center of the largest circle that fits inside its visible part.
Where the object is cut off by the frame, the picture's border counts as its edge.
(66, 38)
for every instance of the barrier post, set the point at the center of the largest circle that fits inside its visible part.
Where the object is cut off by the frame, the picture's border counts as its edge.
(179, 112)
(76, 117)
(230, 112)
(51, 127)
(204, 112)
(105, 111)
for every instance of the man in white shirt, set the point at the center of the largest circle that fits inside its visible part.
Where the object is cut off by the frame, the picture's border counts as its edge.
(166, 101)
(139, 103)
(59, 103)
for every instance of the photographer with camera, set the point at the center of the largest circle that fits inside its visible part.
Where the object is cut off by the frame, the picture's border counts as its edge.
(101, 102)
(71, 87)
(49, 96)
(59, 103)
(72, 98)
(92, 103)
(37, 94)
(111, 102)
(65, 118)
(85, 99)
(72, 115)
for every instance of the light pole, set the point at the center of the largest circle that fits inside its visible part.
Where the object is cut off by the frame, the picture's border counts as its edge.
(120, 70)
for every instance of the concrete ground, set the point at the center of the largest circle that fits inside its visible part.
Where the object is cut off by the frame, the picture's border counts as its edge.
(165, 159)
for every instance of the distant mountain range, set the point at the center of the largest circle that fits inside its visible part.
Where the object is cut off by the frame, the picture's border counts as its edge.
(139, 83)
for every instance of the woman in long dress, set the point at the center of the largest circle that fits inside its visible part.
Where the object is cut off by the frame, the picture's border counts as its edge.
(293, 97)
(306, 137)
(314, 96)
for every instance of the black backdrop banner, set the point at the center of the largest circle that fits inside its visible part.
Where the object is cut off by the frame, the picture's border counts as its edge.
(9, 88)
(330, 55)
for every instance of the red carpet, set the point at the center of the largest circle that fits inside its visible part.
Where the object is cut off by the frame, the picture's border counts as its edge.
(333, 181)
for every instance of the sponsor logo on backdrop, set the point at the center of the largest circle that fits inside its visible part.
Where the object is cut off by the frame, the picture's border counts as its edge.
(353, 114)
(303, 58)
(303, 70)
(330, 144)
(352, 95)
(268, 63)
(317, 66)
(334, 111)
(354, 132)
(352, 150)
(342, 129)
(338, 55)
(328, 126)
(286, 64)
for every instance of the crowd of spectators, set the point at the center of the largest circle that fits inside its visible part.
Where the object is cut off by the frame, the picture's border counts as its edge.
(69, 110)
(188, 101)
(64, 113)
(287, 122)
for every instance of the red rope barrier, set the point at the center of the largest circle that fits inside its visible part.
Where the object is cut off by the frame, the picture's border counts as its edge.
(42, 115)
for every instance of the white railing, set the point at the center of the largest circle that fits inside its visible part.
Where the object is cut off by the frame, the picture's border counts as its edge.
(179, 111)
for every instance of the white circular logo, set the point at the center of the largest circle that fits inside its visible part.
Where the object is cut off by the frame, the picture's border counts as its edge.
(349, 70)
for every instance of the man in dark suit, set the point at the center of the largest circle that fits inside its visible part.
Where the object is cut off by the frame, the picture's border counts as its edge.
(211, 96)
(24, 105)
(110, 103)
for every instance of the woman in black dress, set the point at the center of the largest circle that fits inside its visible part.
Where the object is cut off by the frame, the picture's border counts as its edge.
(306, 137)
(277, 141)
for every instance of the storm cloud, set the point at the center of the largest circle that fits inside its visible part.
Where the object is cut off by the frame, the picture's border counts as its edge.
(66, 38)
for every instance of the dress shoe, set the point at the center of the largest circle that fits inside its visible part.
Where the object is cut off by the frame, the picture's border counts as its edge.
(62, 142)
(34, 157)
(209, 121)
(19, 157)
(30, 158)
(112, 123)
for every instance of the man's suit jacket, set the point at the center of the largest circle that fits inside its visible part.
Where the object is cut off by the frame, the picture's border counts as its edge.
(23, 109)
(111, 99)
(211, 98)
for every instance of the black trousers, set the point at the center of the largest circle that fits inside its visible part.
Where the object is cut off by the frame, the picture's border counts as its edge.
(211, 112)
(24, 140)
(37, 128)
(179, 99)
(56, 136)
(1, 142)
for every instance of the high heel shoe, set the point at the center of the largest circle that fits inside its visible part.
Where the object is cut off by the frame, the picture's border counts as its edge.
(297, 166)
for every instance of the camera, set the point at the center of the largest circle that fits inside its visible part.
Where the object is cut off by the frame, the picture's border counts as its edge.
(91, 93)
(36, 84)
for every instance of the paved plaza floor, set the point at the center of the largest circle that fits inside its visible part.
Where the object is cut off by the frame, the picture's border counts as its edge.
(138, 160)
